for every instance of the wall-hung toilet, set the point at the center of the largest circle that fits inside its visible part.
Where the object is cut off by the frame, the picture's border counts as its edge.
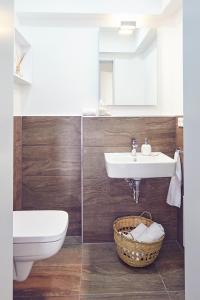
(37, 235)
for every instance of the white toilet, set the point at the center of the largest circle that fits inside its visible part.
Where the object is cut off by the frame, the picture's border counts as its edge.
(36, 235)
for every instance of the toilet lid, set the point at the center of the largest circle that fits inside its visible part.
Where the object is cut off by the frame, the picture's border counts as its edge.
(39, 226)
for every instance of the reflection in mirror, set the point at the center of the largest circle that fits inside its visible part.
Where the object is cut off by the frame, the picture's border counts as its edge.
(106, 81)
(128, 66)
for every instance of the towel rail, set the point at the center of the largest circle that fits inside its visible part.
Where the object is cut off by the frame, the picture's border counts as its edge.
(180, 150)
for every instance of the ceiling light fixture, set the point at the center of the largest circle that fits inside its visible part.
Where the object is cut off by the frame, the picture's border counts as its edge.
(127, 27)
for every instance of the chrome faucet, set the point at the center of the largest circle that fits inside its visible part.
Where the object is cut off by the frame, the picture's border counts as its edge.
(134, 147)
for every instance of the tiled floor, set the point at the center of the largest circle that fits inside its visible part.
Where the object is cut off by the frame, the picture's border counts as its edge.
(93, 271)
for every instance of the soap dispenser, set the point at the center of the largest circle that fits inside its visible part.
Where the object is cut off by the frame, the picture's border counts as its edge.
(146, 148)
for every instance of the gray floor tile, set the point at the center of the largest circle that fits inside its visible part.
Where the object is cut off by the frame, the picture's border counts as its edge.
(177, 295)
(141, 296)
(71, 254)
(118, 278)
(99, 253)
(104, 276)
(172, 274)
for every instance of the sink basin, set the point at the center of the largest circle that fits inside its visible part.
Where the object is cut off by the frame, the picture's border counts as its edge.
(125, 165)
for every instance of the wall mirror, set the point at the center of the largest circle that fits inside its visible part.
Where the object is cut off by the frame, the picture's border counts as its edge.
(128, 65)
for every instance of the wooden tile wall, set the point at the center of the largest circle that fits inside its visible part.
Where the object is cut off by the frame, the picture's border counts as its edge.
(52, 166)
(17, 180)
(105, 199)
(51, 163)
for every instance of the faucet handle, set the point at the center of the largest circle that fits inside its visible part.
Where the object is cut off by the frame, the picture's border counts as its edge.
(134, 142)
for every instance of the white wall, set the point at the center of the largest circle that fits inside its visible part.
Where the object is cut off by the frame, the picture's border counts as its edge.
(17, 107)
(93, 6)
(170, 71)
(65, 71)
(6, 149)
(111, 42)
(191, 14)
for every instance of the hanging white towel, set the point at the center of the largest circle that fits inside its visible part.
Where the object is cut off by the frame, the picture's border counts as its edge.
(174, 193)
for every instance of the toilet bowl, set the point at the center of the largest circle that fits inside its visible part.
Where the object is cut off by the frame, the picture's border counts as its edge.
(37, 235)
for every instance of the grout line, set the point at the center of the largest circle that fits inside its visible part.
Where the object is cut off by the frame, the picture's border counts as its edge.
(52, 176)
(81, 275)
(99, 243)
(127, 293)
(82, 179)
(166, 290)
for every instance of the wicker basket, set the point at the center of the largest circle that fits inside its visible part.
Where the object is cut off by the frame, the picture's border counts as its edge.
(133, 253)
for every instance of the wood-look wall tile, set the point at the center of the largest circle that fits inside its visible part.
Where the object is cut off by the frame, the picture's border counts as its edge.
(153, 192)
(105, 198)
(94, 162)
(17, 131)
(17, 175)
(51, 161)
(52, 166)
(46, 155)
(61, 193)
(59, 131)
(117, 132)
(99, 227)
(179, 135)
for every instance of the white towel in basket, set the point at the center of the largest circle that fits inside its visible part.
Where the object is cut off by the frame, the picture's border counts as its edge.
(137, 232)
(152, 234)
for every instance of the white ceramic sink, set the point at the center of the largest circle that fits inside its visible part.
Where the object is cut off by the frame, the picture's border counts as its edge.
(125, 165)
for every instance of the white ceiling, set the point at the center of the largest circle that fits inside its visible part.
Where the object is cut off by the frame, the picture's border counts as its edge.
(100, 13)
(149, 7)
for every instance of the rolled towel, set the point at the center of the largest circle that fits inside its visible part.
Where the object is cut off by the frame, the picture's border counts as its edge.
(135, 233)
(153, 233)
(138, 231)
(155, 227)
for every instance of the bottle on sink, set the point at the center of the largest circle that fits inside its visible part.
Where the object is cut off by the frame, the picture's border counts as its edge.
(146, 148)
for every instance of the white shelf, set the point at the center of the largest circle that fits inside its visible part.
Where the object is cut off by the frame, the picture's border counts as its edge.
(21, 80)
(21, 40)
(23, 48)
